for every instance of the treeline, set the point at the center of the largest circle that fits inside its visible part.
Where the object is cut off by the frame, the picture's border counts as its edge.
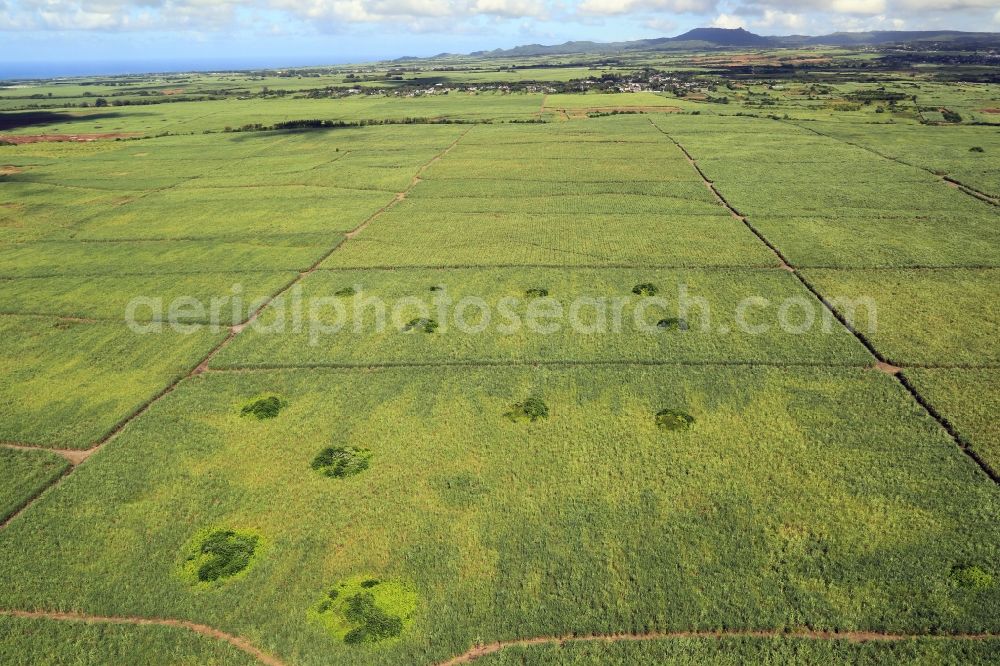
(315, 124)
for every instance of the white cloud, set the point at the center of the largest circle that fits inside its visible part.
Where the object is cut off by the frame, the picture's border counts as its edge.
(510, 8)
(774, 18)
(728, 21)
(618, 7)
(943, 5)
(662, 25)
(456, 16)
(862, 7)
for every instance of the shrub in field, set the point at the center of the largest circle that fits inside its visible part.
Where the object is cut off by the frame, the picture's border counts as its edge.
(672, 324)
(421, 324)
(531, 410)
(951, 116)
(976, 149)
(672, 419)
(644, 289)
(971, 577)
(366, 610)
(437, 287)
(219, 554)
(264, 408)
(537, 292)
(341, 461)
(346, 291)
(374, 624)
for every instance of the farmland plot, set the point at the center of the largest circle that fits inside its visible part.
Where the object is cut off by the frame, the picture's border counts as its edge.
(161, 257)
(969, 399)
(694, 316)
(24, 473)
(685, 651)
(812, 491)
(24, 640)
(554, 239)
(144, 297)
(68, 382)
(936, 317)
(399, 495)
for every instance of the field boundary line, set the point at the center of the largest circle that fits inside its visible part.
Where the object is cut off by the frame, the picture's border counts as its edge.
(485, 649)
(948, 180)
(569, 363)
(881, 361)
(239, 643)
(148, 274)
(203, 363)
(643, 267)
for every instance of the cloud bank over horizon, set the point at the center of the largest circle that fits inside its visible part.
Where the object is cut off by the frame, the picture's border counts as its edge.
(344, 30)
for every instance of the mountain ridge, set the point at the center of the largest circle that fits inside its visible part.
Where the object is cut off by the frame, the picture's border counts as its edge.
(710, 38)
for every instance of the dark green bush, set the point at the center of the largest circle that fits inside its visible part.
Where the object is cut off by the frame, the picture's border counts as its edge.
(976, 149)
(537, 292)
(225, 553)
(346, 291)
(644, 289)
(531, 409)
(341, 461)
(672, 324)
(421, 324)
(264, 408)
(671, 419)
(374, 623)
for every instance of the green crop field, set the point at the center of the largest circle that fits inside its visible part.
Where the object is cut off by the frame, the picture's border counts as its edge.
(670, 356)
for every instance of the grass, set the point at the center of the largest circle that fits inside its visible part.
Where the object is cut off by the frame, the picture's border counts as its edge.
(733, 651)
(969, 400)
(58, 395)
(404, 237)
(522, 328)
(109, 296)
(161, 257)
(353, 498)
(23, 474)
(937, 317)
(639, 535)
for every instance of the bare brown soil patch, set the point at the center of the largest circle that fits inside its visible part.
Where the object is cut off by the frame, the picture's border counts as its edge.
(172, 91)
(9, 170)
(989, 110)
(43, 138)
(888, 368)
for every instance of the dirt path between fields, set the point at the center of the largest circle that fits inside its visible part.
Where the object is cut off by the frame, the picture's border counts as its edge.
(202, 629)
(204, 362)
(74, 456)
(851, 636)
(19, 139)
(880, 362)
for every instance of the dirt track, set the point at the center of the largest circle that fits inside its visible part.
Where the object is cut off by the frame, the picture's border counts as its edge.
(41, 138)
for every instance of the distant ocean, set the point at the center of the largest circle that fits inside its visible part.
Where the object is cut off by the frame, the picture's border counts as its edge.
(50, 70)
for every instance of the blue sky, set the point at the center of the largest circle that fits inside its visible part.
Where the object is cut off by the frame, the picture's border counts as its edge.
(70, 36)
